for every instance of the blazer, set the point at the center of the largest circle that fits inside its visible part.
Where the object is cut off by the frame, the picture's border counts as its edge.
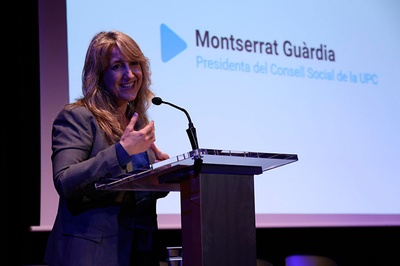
(94, 227)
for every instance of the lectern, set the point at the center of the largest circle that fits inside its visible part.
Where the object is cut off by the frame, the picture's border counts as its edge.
(217, 200)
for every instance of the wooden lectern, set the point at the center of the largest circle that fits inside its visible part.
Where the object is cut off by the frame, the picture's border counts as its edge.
(217, 201)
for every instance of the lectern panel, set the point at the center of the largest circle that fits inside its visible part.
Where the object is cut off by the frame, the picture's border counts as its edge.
(152, 177)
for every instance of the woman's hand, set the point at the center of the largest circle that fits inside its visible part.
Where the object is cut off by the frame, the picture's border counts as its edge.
(135, 142)
(160, 156)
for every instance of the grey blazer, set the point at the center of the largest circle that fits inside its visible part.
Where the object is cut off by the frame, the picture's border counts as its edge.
(94, 227)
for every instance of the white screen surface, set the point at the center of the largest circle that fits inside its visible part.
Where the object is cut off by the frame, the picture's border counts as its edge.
(335, 103)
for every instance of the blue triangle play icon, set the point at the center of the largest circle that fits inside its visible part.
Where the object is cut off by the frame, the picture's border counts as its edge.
(171, 44)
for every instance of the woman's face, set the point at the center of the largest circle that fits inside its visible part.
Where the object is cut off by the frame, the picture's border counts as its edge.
(122, 78)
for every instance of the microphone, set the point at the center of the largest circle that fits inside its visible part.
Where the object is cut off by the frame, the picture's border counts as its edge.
(191, 131)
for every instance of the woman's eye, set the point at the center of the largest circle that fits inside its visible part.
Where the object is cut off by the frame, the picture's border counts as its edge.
(134, 63)
(114, 67)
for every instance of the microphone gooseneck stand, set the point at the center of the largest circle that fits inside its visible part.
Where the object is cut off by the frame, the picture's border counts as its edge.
(191, 132)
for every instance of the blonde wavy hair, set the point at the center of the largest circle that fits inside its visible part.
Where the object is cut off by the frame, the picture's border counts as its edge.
(97, 99)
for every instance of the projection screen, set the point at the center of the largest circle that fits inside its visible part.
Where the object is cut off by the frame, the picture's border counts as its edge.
(316, 79)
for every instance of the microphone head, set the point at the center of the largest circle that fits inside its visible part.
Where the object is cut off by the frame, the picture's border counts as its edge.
(157, 100)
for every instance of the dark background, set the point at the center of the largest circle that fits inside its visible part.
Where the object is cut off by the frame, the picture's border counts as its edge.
(21, 159)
